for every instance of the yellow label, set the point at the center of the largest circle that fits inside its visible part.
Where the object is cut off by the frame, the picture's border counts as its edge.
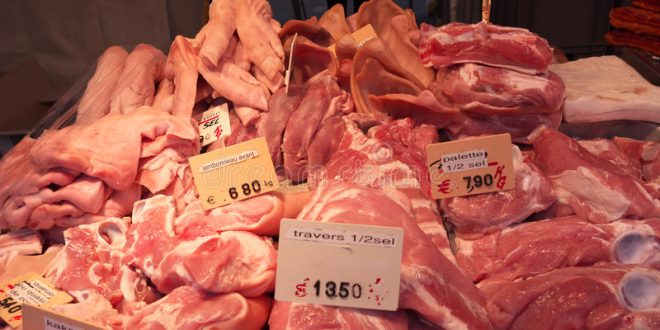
(471, 166)
(27, 289)
(233, 173)
(361, 36)
(39, 318)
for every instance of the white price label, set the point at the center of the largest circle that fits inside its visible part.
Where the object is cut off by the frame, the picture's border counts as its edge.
(214, 124)
(339, 264)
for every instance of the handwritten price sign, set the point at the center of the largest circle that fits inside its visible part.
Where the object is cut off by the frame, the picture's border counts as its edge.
(471, 166)
(339, 264)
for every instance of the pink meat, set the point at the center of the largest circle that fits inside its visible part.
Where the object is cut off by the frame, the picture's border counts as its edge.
(430, 284)
(95, 310)
(91, 263)
(484, 213)
(137, 84)
(22, 241)
(287, 315)
(608, 150)
(488, 90)
(646, 152)
(125, 138)
(214, 38)
(534, 248)
(260, 215)
(272, 123)
(260, 40)
(95, 102)
(594, 188)
(309, 59)
(334, 22)
(188, 308)
(181, 68)
(606, 297)
(519, 126)
(511, 48)
(395, 27)
(322, 100)
(391, 156)
(235, 84)
(232, 261)
(151, 235)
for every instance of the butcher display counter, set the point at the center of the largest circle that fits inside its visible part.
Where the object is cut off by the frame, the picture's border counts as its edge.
(339, 172)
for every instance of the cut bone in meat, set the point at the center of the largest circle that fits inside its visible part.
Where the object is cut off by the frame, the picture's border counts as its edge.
(594, 188)
(511, 48)
(538, 247)
(430, 284)
(391, 157)
(91, 263)
(187, 308)
(606, 88)
(606, 297)
(232, 261)
(483, 213)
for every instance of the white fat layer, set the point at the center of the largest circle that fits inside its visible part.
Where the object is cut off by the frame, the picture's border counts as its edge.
(464, 247)
(585, 186)
(418, 203)
(127, 284)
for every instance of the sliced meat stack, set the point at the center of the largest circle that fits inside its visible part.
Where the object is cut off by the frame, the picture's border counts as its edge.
(497, 76)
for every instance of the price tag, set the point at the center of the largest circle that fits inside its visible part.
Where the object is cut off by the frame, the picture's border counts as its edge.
(39, 318)
(471, 166)
(339, 264)
(233, 173)
(287, 74)
(214, 124)
(27, 289)
(362, 35)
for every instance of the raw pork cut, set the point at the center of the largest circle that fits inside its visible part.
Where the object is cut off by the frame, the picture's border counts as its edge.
(95, 102)
(322, 100)
(91, 262)
(111, 147)
(187, 308)
(606, 88)
(384, 88)
(594, 188)
(23, 241)
(13, 265)
(391, 157)
(398, 30)
(646, 152)
(484, 213)
(519, 126)
(288, 315)
(230, 261)
(260, 215)
(430, 284)
(538, 247)
(506, 47)
(95, 310)
(487, 90)
(334, 21)
(608, 150)
(136, 86)
(607, 297)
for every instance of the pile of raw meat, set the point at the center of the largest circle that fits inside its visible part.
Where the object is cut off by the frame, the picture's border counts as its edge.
(105, 208)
